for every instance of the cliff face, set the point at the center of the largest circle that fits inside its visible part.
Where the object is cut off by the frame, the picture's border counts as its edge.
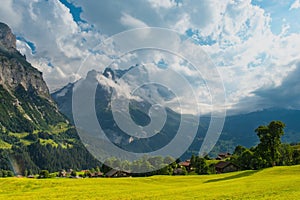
(7, 38)
(26, 104)
(34, 135)
(15, 70)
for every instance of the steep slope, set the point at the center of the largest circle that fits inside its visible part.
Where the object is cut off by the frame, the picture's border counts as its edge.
(26, 104)
(33, 133)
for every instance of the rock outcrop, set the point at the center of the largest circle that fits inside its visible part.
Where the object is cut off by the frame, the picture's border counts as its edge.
(15, 70)
(26, 101)
(34, 135)
(7, 38)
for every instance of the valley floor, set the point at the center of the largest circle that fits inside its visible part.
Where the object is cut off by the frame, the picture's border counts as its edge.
(272, 183)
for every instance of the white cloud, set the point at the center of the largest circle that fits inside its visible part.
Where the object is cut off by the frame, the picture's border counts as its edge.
(248, 54)
(295, 5)
(132, 22)
(236, 34)
(162, 3)
(61, 44)
(9, 13)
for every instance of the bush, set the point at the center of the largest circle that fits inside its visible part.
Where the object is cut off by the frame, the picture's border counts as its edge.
(73, 173)
(6, 173)
(44, 174)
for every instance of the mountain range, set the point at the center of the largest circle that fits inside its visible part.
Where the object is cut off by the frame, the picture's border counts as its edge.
(238, 129)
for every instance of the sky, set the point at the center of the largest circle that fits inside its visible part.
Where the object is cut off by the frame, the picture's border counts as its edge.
(253, 44)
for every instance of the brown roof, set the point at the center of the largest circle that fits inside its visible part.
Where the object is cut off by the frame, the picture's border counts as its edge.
(224, 154)
(97, 174)
(112, 172)
(223, 164)
(186, 163)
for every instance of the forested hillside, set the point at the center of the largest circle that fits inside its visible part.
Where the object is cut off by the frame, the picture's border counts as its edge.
(33, 133)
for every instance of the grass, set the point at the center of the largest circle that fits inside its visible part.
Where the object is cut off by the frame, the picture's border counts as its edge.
(209, 162)
(59, 128)
(4, 145)
(272, 183)
(18, 135)
(26, 142)
(48, 141)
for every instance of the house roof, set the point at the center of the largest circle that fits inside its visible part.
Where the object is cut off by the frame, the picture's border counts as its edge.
(223, 164)
(97, 174)
(111, 172)
(114, 171)
(224, 154)
(185, 163)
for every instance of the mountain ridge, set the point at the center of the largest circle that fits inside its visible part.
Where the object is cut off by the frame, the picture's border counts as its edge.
(34, 134)
(238, 129)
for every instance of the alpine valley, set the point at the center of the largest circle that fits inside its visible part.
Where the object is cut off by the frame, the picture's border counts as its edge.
(37, 129)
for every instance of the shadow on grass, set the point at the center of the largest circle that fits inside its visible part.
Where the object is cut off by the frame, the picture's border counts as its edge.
(243, 174)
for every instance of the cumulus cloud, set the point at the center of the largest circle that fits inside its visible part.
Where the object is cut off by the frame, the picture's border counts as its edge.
(236, 34)
(108, 16)
(9, 13)
(60, 43)
(132, 22)
(286, 95)
(162, 3)
(295, 5)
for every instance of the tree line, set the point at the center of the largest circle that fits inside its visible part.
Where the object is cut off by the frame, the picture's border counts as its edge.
(269, 152)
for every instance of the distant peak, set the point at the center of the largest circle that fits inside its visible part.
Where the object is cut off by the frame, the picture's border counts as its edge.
(109, 73)
(7, 38)
(92, 75)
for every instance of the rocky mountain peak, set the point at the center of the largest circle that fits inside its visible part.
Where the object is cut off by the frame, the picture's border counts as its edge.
(7, 38)
(14, 68)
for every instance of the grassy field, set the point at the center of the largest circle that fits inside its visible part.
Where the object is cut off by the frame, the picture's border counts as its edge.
(272, 183)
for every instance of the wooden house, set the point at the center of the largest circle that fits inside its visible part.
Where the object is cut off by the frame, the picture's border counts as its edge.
(186, 164)
(117, 173)
(224, 167)
(222, 156)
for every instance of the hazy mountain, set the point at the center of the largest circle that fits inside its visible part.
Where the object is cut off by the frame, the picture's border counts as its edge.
(238, 129)
(138, 109)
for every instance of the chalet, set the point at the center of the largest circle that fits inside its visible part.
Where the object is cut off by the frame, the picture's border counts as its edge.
(224, 167)
(31, 176)
(222, 156)
(180, 171)
(62, 173)
(186, 164)
(96, 174)
(117, 173)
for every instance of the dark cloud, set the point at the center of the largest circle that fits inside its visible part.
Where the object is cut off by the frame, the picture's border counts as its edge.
(286, 95)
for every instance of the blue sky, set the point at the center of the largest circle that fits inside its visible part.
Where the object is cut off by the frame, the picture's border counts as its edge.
(277, 9)
(74, 10)
(281, 13)
(254, 44)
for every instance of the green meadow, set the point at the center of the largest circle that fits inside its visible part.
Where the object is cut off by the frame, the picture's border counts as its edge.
(271, 183)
